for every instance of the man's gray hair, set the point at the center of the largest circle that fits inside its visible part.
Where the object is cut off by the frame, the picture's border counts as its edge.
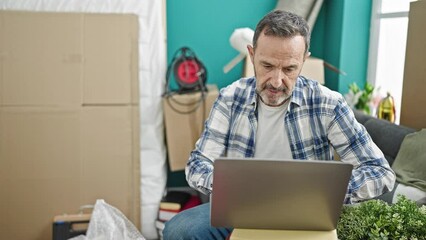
(283, 24)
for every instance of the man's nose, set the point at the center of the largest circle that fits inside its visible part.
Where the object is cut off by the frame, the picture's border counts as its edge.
(277, 79)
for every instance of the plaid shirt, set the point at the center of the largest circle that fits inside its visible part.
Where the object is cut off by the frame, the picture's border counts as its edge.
(318, 120)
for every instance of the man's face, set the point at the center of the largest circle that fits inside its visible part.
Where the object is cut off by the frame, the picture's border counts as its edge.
(277, 63)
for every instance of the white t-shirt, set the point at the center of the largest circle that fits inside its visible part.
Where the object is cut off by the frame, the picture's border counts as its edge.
(271, 137)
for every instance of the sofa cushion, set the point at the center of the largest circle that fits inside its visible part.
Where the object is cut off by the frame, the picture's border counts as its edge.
(409, 165)
(387, 136)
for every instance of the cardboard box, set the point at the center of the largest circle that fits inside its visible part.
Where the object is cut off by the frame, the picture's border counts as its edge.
(313, 68)
(413, 102)
(69, 118)
(184, 116)
(251, 234)
(69, 226)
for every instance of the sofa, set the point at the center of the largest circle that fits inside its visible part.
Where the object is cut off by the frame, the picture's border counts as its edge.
(388, 137)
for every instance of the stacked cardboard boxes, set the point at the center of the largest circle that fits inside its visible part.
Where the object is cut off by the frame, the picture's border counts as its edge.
(68, 118)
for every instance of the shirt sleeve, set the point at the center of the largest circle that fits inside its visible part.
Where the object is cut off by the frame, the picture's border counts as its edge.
(372, 175)
(211, 145)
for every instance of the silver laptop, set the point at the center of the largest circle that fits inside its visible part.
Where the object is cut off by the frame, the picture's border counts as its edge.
(278, 194)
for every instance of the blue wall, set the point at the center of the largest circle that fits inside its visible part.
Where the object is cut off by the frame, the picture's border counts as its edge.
(355, 42)
(205, 27)
(340, 35)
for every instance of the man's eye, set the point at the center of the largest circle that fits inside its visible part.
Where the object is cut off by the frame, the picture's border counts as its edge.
(267, 66)
(289, 70)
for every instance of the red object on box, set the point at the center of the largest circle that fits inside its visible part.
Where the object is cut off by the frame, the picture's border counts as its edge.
(192, 202)
(166, 214)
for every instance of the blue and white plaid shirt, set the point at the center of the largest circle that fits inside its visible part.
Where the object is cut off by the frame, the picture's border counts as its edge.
(318, 120)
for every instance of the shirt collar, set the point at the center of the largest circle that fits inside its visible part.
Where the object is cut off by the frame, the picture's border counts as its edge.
(252, 100)
(298, 96)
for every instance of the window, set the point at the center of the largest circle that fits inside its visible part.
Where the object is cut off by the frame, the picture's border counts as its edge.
(388, 38)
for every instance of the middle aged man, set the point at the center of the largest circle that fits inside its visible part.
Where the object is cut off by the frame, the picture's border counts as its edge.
(279, 114)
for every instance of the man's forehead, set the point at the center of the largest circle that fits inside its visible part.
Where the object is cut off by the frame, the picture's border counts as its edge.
(275, 44)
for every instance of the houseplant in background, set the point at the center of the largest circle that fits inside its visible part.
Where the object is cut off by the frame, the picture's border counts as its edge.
(359, 98)
(375, 219)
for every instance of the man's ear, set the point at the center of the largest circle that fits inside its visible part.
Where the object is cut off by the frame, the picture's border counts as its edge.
(308, 54)
(251, 52)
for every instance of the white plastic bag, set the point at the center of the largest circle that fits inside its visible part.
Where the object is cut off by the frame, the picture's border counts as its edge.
(108, 223)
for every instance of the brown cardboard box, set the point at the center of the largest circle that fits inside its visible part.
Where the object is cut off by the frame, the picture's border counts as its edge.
(413, 102)
(69, 128)
(313, 68)
(184, 116)
(250, 234)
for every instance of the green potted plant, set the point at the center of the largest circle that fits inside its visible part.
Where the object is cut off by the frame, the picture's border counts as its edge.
(360, 98)
(375, 219)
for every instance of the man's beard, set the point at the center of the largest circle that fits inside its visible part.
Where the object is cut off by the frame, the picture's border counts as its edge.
(272, 99)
